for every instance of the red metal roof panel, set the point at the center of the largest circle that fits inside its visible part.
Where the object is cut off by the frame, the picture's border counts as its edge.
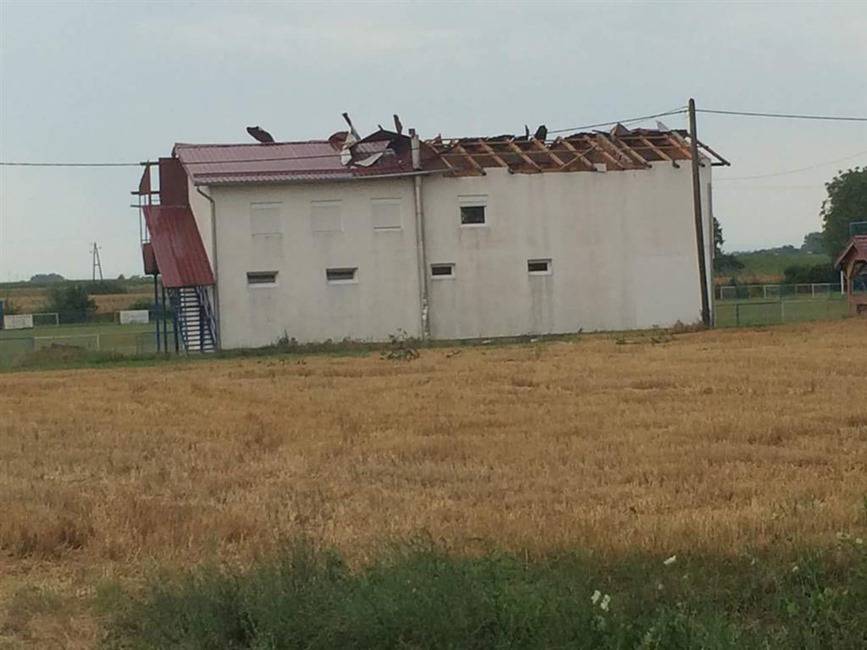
(314, 160)
(177, 247)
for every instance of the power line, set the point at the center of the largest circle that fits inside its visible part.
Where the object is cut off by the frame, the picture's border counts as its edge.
(790, 116)
(675, 111)
(794, 171)
(65, 164)
(336, 154)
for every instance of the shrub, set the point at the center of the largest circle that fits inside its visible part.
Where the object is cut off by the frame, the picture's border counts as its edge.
(143, 303)
(102, 287)
(72, 302)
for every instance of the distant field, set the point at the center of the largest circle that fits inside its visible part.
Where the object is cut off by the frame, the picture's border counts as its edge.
(29, 298)
(738, 444)
(767, 267)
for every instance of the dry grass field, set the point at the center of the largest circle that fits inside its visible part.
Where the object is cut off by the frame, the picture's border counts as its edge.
(723, 442)
(34, 299)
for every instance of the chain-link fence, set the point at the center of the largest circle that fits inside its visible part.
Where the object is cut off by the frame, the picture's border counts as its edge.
(772, 291)
(768, 312)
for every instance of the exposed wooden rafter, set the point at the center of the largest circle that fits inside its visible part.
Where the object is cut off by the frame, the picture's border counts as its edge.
(523, 155)
(632, 152)
(591, 140)
(578, 156)
(607, 142)
(544, 149)
(625, 149)
(459, 148)
(490, 150)
(659, 152)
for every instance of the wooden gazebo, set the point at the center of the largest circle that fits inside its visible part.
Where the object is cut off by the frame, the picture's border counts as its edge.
(853, 263)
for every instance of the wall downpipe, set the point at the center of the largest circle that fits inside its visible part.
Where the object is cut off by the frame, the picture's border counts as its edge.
(217, 314)
(421, 255)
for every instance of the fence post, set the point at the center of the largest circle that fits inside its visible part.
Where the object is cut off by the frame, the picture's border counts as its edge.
(737, 314)
(782, 311)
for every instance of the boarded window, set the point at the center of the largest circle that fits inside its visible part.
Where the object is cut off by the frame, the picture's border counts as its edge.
(385, 214)
(262, 277)
(539, 267)
(440, 271)
(325, 216)
(265, 219)
(341, 275)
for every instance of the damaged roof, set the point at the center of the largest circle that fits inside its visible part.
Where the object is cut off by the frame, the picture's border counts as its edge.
(387, 153)
(617, 150)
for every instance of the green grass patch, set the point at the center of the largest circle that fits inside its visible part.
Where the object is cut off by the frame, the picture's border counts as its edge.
(74, 345)
(741, 313)
(423, 597)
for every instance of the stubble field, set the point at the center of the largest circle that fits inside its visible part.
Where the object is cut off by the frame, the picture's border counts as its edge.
(720, 443)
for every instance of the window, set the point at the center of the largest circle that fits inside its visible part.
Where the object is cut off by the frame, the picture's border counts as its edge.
(325, 216)
(472, 215)
(441, 271)
(539, 267)
(341, 275)
(261, 277)
(385, 214)
(265, 219)
(473, 208)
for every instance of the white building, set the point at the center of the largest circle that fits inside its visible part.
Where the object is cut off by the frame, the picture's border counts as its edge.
(357, 239)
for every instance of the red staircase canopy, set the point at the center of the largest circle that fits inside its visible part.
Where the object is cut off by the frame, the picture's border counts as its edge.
(177, 246)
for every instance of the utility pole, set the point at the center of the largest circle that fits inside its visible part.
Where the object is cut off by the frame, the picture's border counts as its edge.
(696, 206)
(96, 264)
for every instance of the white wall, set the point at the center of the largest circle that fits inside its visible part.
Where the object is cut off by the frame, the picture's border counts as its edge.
(302, 303)
(201, 208)
(621, 244)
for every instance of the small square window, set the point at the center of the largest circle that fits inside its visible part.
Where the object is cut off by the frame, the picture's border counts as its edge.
(472, 215)
(341, 275)
(539, 267)
(441, 271)
(262, 277)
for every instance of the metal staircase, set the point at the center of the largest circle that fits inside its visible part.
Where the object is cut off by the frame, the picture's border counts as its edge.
(194, 318)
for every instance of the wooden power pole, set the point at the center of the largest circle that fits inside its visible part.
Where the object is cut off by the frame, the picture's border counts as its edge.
(699, 224)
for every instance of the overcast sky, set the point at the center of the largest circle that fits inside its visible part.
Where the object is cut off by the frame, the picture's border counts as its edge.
(103, 82)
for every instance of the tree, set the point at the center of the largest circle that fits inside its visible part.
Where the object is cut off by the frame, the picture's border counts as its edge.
(718, 239)
(72, 302)
(9, 307)
(722, 262)
(803, 274)
(846, 202)
(813, 243)
(44, 278)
